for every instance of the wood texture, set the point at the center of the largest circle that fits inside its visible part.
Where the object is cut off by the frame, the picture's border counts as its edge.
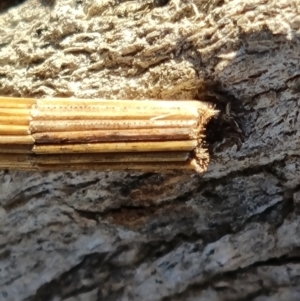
(230, 234)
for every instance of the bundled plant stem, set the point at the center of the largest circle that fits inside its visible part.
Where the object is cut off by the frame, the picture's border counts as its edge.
(79, 134)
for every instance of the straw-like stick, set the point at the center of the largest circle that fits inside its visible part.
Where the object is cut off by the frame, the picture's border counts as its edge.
(82, 134)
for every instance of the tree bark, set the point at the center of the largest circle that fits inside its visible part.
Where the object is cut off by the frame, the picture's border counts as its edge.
(231, 233)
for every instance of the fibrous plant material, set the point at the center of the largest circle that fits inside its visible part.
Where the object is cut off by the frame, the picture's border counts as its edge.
(81, 134)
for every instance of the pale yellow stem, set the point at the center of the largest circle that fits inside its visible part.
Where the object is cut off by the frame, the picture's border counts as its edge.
(112, 157)
(14, 130)
(37, 126)
(157, 146)
(115, 135)
(14, 120)
(154, 167)
(48, 114)
(16, 103)
(26, 139)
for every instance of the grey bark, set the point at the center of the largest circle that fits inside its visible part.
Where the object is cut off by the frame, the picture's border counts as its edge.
(232, 233)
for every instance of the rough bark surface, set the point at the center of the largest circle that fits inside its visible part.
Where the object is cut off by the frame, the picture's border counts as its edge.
(232, 233)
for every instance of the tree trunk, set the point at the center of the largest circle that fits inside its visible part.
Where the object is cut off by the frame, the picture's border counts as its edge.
(231, 233)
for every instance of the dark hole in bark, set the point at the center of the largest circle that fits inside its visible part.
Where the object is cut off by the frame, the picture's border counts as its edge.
(6, 4)
(227, 127)
(160, 2)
